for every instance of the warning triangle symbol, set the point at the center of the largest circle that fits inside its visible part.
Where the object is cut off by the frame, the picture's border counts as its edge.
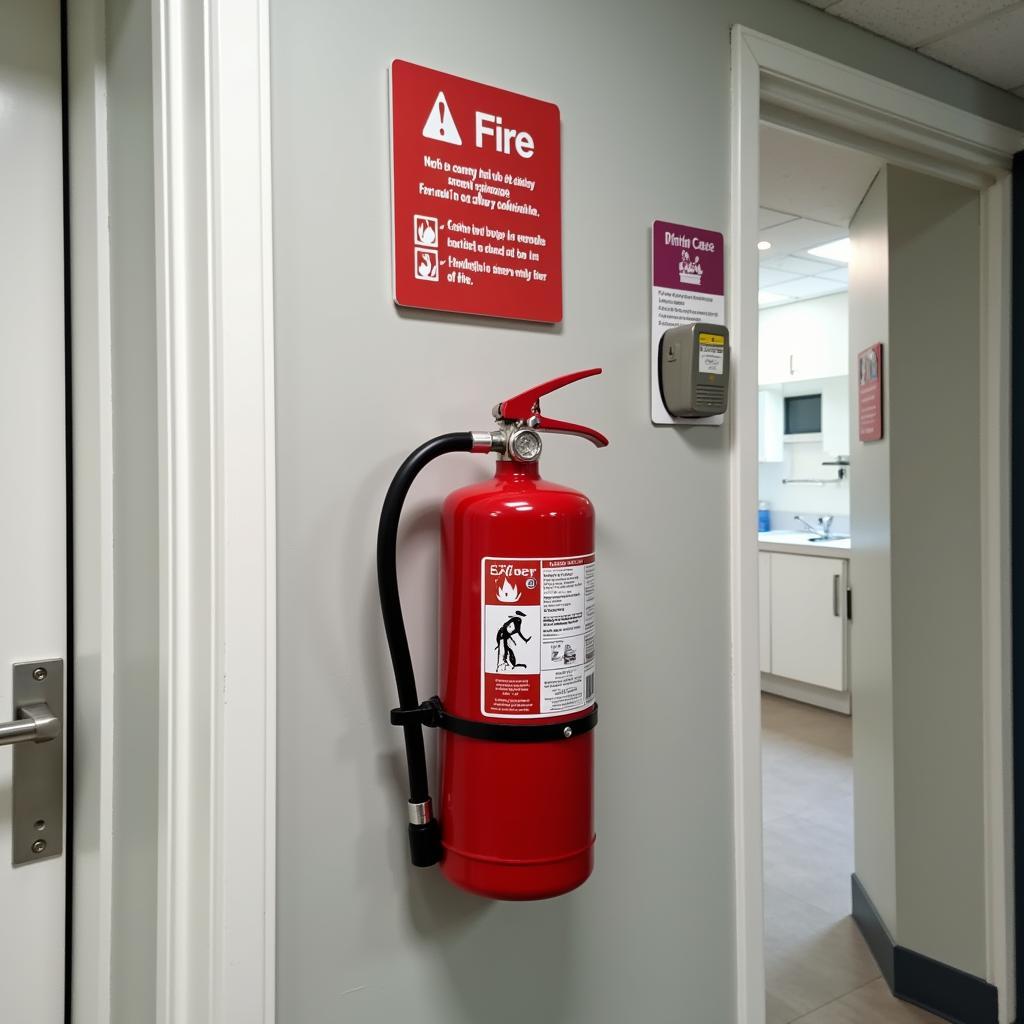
(440, 124)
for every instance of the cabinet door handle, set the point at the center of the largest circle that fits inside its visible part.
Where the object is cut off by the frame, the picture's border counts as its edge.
(791, 364)
(835, 595)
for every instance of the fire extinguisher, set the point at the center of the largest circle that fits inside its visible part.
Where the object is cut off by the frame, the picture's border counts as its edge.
(516, 707)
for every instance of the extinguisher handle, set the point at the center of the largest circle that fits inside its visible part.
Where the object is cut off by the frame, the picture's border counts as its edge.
(526, 407)
(562, 427)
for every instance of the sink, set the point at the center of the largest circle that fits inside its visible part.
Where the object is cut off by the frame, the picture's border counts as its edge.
(831, 536)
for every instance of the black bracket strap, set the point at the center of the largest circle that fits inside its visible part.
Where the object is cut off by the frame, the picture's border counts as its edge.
(431, 713)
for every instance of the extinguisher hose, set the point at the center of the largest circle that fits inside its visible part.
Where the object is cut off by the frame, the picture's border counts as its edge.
(424, 835)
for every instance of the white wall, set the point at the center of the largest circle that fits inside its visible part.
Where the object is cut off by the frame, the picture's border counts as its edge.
(643, 91)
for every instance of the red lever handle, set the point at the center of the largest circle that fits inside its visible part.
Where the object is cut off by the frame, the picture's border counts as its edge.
(526, 406)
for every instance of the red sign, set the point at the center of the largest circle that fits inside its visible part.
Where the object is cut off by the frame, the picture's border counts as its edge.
(476, 203)
(869, 393)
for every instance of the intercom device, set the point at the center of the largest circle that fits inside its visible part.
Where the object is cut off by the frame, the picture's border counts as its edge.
(693, 370)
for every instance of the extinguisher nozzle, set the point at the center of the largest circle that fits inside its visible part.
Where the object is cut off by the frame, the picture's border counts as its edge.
(425, 844)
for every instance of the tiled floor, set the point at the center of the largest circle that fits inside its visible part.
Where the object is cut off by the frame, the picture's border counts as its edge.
(819, 970)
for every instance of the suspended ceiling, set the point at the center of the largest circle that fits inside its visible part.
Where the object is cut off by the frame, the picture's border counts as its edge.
(809, 191)
(984, 38)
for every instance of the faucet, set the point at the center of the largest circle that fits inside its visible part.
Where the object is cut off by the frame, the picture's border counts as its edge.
(823, 529)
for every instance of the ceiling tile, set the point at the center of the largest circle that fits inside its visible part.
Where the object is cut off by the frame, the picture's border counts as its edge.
(816, 179)
(766, 299)
(797, 265)
(801, 233)
(808, 287)
(768, 278)
(915, 22)
(770, 218)
(840, 274)
(992, 50)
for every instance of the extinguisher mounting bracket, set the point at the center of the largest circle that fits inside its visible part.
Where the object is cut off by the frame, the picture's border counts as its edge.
(428, 713)
(432, 714)
(525, 408)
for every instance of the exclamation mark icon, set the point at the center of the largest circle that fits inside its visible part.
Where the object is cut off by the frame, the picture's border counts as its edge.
(440, 123)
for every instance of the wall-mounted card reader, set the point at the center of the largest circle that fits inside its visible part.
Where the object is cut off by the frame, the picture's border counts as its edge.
(693, 370)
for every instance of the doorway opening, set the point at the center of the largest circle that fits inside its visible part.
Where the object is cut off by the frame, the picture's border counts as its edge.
(802, 665)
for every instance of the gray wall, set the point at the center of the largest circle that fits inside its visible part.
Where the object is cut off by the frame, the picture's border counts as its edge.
(643, 91)
(874, 792)
(935, 355)
(916, 655)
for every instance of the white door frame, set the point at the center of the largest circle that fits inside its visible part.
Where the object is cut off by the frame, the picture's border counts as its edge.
(803, 91)
(216, 805)
(216, 924)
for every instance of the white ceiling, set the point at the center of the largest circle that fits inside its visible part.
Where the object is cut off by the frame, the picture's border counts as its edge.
(809, 191)
(984, 38)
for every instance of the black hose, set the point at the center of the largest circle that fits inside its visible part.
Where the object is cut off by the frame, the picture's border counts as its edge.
(424, 839)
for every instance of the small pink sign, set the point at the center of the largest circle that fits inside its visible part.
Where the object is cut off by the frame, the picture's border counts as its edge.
(869, 393)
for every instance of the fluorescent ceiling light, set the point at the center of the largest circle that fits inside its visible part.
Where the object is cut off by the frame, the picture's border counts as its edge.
(839, 251)
(764, 245)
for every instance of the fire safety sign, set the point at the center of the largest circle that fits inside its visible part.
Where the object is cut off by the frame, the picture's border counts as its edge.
(476, 197)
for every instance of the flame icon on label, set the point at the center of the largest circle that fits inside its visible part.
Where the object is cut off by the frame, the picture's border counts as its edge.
(507, 592)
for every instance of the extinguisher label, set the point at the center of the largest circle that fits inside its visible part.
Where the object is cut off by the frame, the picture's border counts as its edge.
(537, 636)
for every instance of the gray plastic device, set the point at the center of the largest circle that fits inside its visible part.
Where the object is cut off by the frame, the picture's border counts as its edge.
(693, 370)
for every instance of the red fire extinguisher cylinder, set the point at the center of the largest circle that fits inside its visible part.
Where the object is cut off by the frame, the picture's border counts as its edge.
(516, 709)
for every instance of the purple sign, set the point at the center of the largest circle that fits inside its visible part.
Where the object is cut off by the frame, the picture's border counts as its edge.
(688, 259)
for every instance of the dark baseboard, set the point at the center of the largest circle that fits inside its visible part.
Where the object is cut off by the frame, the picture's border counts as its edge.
(943, 990)
(876, 935)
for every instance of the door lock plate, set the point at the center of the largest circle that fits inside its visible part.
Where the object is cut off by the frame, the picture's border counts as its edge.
(37, 819)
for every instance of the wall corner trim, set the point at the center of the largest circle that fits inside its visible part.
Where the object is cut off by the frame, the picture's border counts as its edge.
(217, 791)
(943, 990)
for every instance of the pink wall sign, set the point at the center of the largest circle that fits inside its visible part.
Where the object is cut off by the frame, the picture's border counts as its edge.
(869, 393)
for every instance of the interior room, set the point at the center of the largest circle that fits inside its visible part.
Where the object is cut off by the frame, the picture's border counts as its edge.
(810, 190)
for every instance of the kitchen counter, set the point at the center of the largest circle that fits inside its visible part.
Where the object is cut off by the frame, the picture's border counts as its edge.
(797, 542)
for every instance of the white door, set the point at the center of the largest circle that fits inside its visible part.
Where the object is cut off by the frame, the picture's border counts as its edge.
(808, 609)
(33, 580)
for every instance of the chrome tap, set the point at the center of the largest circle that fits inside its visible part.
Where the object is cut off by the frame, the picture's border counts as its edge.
(823, 529)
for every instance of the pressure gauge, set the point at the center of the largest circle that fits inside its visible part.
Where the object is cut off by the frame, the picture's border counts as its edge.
(524, 445)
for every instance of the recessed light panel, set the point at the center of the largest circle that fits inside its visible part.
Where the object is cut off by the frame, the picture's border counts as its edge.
(839, 251)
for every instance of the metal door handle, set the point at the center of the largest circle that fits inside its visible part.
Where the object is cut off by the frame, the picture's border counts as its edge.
(835, 595)
(35, 723)
(37, 778)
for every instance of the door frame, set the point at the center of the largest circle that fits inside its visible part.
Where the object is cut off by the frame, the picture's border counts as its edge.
(217, 723)
(806, 92)
(218, 771)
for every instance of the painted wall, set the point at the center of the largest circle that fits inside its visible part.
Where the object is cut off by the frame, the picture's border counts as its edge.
(916, 656)
(644, 94)
(874, 790)
(935, 416)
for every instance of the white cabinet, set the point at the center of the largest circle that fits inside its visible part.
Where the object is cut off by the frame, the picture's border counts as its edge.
(764, 593)
(806, 639)
(803, 341)
(770, 425)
